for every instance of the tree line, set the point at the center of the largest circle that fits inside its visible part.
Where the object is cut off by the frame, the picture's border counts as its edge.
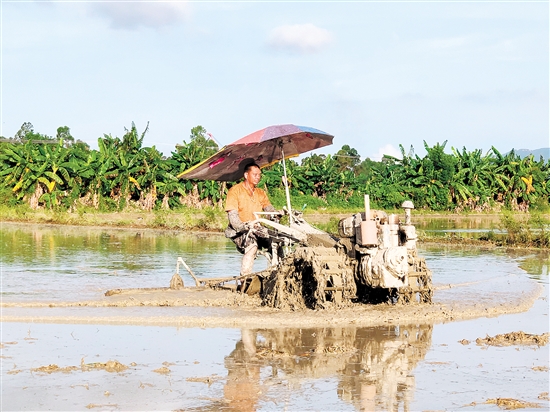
(62, 173)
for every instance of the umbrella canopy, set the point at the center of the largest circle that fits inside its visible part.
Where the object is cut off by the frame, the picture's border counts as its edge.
(264, 147)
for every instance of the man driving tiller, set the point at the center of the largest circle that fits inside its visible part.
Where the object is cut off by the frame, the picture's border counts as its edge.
(243, 200)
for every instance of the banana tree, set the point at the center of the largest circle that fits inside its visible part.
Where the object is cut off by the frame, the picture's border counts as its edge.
(153, 173)
(473, 180)
(37, 172)
(17, 162)
(186, 155)
(320, 175)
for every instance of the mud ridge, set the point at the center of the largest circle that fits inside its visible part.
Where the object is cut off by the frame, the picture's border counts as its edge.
(226, 309)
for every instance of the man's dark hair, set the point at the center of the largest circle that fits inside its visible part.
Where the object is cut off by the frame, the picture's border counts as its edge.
(250, 166)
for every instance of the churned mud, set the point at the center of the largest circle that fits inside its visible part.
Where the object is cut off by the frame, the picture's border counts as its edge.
(510, 403)
(109, 366)
(459, 293)
(232, 309)
(54, 368)
(102, 406)
(163, 370)
(514, 338)
(209, 380)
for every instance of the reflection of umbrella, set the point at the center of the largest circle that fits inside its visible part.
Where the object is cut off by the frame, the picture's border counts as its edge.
(264, 147)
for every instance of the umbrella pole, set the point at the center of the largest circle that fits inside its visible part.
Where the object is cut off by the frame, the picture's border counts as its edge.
(287, 193)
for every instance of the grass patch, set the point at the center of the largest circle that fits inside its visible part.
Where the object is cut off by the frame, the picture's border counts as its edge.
(330, 227)
(526, 230)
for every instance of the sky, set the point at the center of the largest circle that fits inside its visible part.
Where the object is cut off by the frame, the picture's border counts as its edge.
(375, 74)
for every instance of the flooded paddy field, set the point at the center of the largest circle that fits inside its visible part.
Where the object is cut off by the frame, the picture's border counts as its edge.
(65, 346)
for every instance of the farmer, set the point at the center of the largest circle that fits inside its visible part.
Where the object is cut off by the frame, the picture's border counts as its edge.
(242, 201)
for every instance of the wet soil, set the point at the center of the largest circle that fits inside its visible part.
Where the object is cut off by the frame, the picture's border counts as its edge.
(109, 366)
(241, 310)
(514, 338)
(510, 403)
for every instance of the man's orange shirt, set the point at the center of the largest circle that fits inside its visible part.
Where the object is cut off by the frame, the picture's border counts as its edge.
(239, 199)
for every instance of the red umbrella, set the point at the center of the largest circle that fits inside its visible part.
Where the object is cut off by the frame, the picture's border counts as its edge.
(264, 147)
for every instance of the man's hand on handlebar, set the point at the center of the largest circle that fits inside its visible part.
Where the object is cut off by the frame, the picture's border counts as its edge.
(254, 227)
(276, 215)
(260, 231)
(244, 227)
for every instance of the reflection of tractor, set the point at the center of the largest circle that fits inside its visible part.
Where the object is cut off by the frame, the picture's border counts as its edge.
(374, 259)
(374, 366)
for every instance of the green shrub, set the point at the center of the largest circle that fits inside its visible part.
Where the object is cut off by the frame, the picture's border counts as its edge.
(330, 227)
(541, 205)
(541, 227)
(8, 198)
(526, 230)
(161, 218)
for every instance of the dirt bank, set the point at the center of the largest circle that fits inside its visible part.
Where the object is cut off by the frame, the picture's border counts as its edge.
(222, 308)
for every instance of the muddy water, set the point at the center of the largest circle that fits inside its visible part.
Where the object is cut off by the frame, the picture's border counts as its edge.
(63, 366)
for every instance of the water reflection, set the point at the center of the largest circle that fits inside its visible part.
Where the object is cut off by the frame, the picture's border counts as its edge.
(24, 243)
(471, 222)
(380, 373)
(374, 366)
(458, 226)
(536, 263)
(61, 263)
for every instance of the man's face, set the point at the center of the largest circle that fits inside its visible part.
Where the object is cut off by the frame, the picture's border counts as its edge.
(253, 176)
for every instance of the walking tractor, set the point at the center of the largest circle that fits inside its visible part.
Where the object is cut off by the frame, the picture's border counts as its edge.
(374, 259)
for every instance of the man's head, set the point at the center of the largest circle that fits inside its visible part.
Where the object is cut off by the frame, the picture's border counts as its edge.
(252, 174)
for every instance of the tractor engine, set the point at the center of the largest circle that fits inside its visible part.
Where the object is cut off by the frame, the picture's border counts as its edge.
(373, 260)
(384, 249)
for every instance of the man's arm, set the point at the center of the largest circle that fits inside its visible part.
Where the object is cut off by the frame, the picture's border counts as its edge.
(235, 221)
